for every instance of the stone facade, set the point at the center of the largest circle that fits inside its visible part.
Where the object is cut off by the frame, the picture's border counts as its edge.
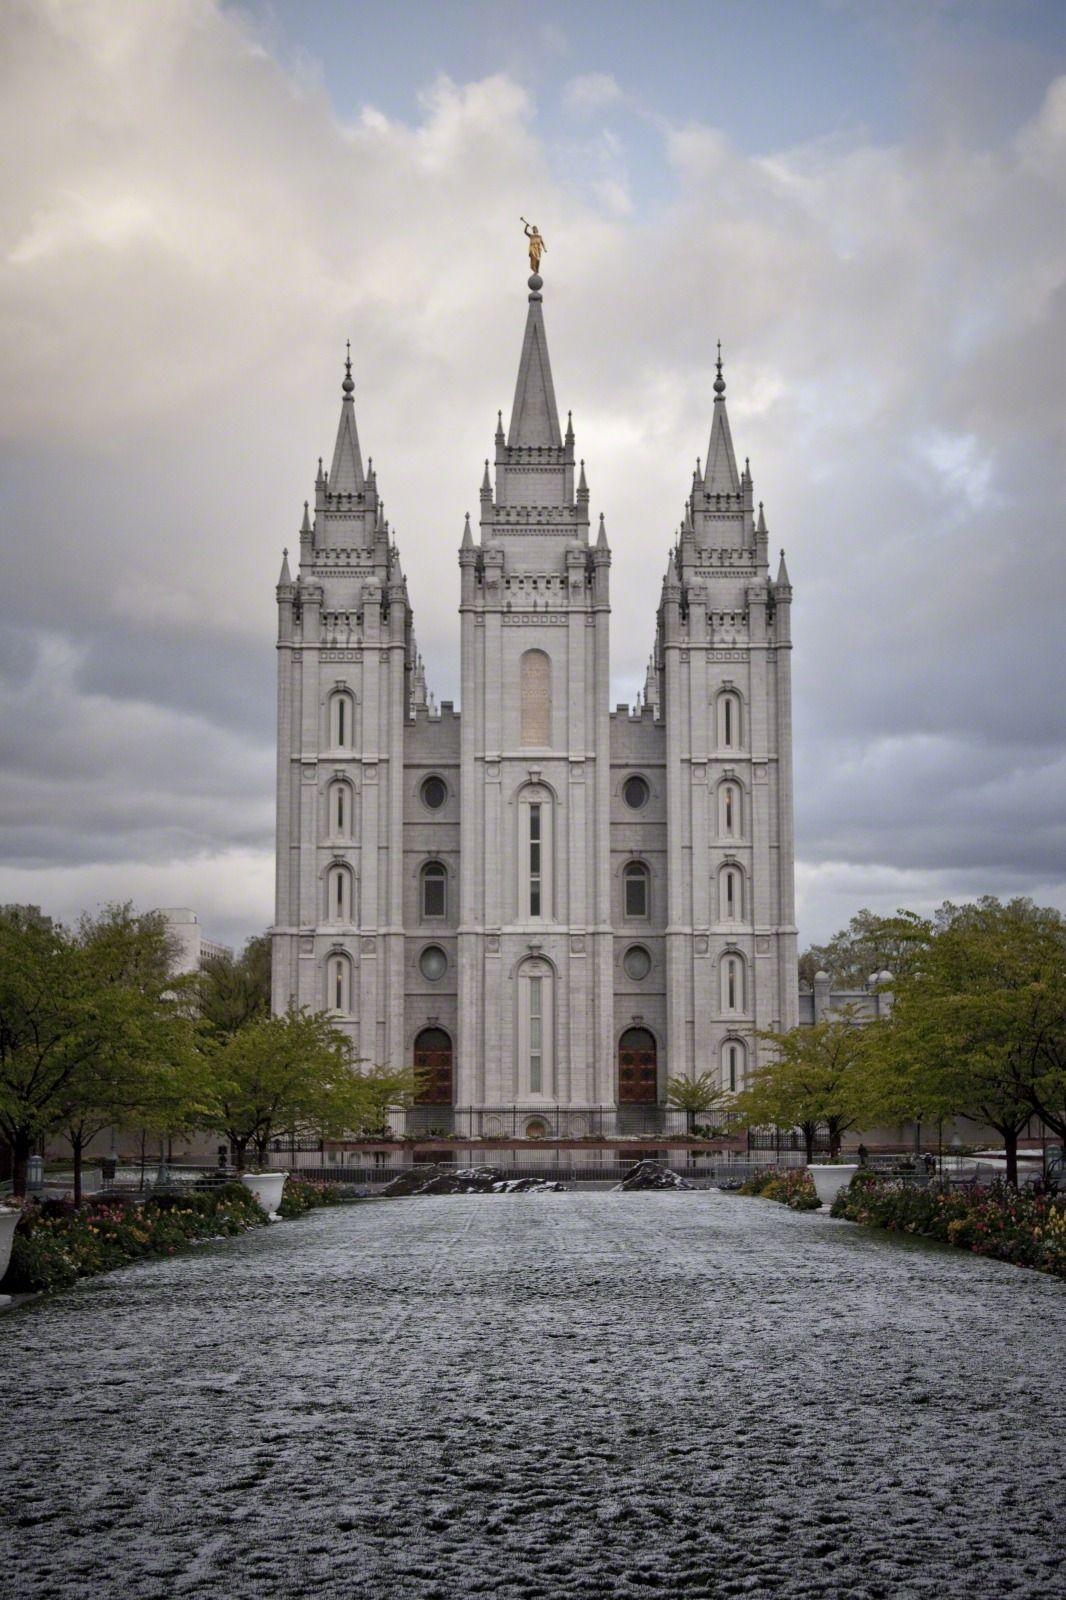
(540, 902)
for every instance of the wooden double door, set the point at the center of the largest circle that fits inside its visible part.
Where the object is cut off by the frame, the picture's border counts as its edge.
(638, 1068)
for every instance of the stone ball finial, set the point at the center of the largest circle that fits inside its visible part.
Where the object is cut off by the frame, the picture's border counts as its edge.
(821, 977)
(536, 282)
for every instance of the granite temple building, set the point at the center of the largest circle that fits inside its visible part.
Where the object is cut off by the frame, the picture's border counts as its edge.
(542, 903)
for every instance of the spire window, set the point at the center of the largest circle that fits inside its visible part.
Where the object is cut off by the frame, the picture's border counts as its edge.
(339, 898)
(733, 982)
(536, 698)
(729, 810)
(341, 720)
(535, 861)
(339, 983)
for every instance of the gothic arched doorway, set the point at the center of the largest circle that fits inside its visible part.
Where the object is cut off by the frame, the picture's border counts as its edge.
(433, 1068)
(638, 1078)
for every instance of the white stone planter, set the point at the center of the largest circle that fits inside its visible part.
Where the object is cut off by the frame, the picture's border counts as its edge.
(829, 1180)
(8, 1224)
(267, 1187)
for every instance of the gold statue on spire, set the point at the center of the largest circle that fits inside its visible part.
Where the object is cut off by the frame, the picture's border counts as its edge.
(536, 244)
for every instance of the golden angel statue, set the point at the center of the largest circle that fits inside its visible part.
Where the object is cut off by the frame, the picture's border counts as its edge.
(536, 244)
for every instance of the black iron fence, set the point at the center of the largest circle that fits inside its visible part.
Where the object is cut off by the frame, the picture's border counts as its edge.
(566, 1172)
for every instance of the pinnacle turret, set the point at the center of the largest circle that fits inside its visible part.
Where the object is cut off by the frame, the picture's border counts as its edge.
(286, 575)
(783, 581)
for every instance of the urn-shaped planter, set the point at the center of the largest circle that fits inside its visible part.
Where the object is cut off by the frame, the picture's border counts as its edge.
(8, 1224)
(829, 1179)
(267, 1187)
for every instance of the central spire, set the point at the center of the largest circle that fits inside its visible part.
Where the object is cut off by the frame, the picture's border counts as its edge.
(346, 473)
(534, 416)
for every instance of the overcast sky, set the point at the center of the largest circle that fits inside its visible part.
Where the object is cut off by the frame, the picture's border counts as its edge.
(201, 202)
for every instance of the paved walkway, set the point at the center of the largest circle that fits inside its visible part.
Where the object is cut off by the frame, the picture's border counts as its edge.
(545, 1396)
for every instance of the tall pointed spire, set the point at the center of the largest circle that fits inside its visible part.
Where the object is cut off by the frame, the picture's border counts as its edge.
(534, 416)
(286, 575)
(346, 473)
(783, 580)
(721, 476)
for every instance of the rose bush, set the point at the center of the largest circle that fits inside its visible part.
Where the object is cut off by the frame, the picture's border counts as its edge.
(789, 1186)
(1012, 1225)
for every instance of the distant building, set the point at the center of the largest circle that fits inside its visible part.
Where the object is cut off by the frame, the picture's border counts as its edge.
(184, 928)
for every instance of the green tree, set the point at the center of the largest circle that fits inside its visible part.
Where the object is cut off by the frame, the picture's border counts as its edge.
(811, 1079)
(281, 1075)
(978, 1026)
(233, 990)
(867, 945)
(380, 1088)
(84, 1017)
(695, 1095)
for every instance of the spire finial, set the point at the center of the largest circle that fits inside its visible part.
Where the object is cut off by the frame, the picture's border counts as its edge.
(719, 382)
(348, 386)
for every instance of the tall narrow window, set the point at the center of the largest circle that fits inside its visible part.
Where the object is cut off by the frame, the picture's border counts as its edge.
(729, 821)
(535, 1061)
(340, 810)
(536, 1035)
(536, 698)
(339, 894)
(732, 971)
(729, 724)
(730, 894)
(732, 1069)
(341, 720)
(733, 1065)
(535, 854)
(635, 889)
(535, 843)
(338, 983)
(434, 890)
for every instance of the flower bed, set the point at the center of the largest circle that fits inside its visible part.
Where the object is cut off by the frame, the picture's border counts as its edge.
(302, 1195)
(55, 1244)
(1026, 1229)
(789, 1186)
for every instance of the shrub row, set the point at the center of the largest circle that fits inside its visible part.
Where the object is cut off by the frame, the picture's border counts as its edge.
(1010, 1225)
(789, 1186)
(302, 1195)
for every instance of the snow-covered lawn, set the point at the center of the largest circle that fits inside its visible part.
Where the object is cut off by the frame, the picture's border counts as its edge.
(546, 1396)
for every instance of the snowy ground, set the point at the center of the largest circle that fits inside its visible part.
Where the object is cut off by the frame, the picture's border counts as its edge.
(546, 1396)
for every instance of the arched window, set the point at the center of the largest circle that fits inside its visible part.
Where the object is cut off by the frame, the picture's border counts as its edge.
(636, 890)
(536, 1028)
(341, 720)
(536, 698)
(733, 981)
(535, 860)
(340, 809)
(730, 729)
(339, 894)
(734, 1059)
(730, 822)
(730, 894)
(338, 983)
(433, 890)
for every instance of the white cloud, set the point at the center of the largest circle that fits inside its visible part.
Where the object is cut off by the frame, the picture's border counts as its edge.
(590, 93)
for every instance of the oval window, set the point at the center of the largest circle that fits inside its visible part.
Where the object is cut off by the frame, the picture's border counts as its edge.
(635, 793)
(433, 963)
(636, 963)
(434, 793)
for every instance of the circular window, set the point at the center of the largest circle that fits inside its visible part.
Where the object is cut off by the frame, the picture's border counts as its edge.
(433, 963)
(635, 793)
(434, 793)
(636, 962)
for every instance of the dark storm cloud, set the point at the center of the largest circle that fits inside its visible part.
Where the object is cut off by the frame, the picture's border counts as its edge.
(192, 235)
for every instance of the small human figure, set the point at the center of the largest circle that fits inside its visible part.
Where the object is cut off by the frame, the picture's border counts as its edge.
(863, 1154)
(536, 244)
(929, 1162)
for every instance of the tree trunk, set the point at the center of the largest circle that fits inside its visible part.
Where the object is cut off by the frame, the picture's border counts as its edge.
(77, 1144)
(239, 1148)
(1010, 1145)
(20, 1152)
(809, 1131)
